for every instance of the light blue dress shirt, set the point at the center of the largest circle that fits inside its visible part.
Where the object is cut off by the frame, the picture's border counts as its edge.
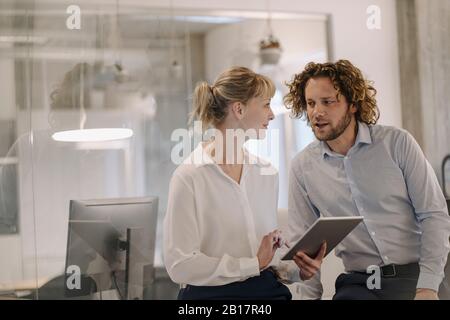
(385, 178)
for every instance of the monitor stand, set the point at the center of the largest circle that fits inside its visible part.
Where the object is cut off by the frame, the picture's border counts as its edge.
(138, 269)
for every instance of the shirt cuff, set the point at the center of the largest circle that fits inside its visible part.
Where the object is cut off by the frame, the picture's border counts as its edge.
(429, 281)
(249, 267)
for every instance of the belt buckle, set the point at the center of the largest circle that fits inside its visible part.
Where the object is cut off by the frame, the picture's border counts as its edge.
(388, 274)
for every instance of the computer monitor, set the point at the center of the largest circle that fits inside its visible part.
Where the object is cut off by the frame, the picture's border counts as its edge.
(111, 245)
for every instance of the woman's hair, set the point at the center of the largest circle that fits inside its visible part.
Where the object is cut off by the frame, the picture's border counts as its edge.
(237, 84)
(347, 80)
(74, 89)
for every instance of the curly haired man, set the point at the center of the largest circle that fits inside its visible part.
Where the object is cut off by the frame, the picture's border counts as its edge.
(359, 168)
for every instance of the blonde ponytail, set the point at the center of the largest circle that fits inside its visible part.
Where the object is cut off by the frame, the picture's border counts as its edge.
(206, 107)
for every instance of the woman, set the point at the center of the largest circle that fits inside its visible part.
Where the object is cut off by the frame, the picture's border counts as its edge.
(220, 228)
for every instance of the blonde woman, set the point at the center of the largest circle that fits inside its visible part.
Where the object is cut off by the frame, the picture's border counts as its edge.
(220, 232)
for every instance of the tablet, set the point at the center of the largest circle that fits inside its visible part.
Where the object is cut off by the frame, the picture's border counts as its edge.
(331, 229)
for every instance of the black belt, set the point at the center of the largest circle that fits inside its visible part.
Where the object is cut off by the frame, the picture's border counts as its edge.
(399, 270)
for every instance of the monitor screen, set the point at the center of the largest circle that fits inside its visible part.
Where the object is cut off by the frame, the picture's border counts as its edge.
(111, 246)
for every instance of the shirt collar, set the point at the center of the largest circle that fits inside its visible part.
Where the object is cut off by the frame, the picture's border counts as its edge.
(363, 136)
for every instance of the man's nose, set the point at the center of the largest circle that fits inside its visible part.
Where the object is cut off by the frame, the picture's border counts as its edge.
(319, 111)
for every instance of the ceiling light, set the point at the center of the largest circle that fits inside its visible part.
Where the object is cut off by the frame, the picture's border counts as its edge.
(92, 135)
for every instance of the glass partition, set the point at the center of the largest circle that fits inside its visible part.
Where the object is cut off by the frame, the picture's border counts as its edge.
(68, 70)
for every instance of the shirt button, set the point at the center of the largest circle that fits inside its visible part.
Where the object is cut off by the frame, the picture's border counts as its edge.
(386, 258)
(373, 233)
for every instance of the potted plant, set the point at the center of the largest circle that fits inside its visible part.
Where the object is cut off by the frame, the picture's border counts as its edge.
(270, 50)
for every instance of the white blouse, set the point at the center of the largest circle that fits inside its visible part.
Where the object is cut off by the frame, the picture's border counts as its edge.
(213, 226)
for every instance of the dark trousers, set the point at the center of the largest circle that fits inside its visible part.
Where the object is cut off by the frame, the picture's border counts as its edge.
(262, 287)
(353, 286)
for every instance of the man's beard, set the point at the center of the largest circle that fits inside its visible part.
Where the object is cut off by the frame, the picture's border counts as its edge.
(335, 132)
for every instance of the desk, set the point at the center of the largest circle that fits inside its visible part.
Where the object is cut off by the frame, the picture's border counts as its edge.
(30, 284)
(17, 289)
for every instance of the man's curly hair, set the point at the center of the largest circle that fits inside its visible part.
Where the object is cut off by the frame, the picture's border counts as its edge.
(347, 80)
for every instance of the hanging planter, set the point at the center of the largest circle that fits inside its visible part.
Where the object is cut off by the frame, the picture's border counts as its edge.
(270, 50)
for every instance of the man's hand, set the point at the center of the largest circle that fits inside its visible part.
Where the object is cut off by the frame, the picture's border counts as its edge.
(309, 266)
(426, 294)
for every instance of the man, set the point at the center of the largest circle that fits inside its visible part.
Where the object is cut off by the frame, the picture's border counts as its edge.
(379, 172)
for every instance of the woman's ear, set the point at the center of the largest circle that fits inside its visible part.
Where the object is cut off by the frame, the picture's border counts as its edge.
(238, 110)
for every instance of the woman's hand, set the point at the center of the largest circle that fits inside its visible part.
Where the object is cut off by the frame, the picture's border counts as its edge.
(269, 244)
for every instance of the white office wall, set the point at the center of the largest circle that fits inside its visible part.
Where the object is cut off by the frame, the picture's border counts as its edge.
(238, 44)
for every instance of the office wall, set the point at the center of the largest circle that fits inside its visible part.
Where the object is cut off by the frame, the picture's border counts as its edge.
(425, 73)
(238, 44)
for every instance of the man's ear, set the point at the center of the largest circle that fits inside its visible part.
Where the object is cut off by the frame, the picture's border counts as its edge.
(353, 108)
